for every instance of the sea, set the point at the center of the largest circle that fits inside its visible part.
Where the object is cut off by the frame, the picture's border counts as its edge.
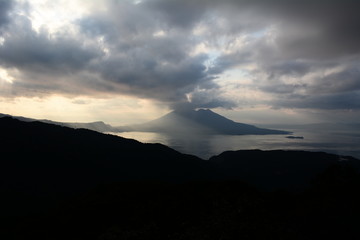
(341, 142)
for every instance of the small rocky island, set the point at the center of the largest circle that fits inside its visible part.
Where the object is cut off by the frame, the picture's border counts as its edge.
(295, 137)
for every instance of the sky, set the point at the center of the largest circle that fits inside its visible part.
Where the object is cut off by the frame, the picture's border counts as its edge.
(129, 61)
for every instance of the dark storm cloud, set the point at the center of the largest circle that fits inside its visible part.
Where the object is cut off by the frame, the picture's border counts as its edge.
(45, 64)
(333, 91)
(210, 99)
(320, 29)
(312, 84)
(293, 68)
(24, 49)
(346, 80)
(303, 53)
(5, 6)
(148, 77)
(309, 28)
(204, 99)
(150, 54)
(228, 61)
(283, 88)
(336, 101)
(311, 39)
(124, 51)
(183, 14)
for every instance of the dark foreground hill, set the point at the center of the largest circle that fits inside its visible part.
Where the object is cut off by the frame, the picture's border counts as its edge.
(63, 183)
(202, 121)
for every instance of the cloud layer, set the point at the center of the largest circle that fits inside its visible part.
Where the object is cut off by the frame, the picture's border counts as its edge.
(295, 54)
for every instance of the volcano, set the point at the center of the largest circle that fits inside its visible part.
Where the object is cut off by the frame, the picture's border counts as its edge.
(202, 121)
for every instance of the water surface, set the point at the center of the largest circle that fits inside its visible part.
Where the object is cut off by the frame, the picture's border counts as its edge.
(205, 146)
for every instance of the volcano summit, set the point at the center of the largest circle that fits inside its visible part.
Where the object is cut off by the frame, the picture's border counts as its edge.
(202, 121)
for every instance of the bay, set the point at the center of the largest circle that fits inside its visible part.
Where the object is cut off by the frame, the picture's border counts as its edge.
(204, 146)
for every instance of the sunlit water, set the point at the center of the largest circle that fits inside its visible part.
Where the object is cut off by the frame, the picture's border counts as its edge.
(205, 146)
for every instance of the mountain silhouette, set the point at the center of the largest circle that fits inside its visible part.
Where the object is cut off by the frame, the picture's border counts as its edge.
(37, 155)
(64, 151)
(98, 126)
(199, 121)
(58, 182)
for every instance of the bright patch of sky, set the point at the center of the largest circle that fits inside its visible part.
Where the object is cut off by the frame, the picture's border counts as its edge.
(48, 15)
(4, 76)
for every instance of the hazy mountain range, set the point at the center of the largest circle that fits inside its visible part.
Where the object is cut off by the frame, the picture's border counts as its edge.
(98, 126)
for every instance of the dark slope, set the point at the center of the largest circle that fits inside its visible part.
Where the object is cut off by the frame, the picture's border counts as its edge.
(200, 121)
(42, 157)
(63, 183)
(278, 169)
(55, 158)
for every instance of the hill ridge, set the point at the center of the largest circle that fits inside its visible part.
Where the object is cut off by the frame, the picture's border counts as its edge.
(63, 183)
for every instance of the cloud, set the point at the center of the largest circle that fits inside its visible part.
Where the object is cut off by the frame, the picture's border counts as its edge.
(337, 101)
(182, 14)
(42, 63)
(26, 49)
(205, 98)
(345, 80)
(5, 7)
(150, 57)
(301, 54)
(307, 56)
(108, 55)
(319, 30)
(227, 61)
